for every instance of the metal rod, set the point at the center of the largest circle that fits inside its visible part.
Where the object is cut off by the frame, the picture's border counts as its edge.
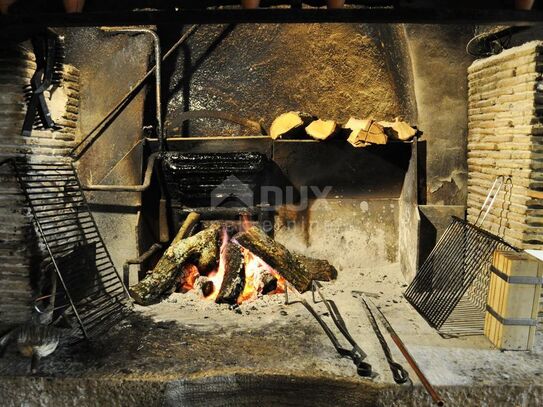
(62, 223)
(356, 354)
(64, 217)
(139, 260)
(399, 374)
(63, 207)
(401, 346)
(135, 89)
(158, 71)
(128, 188)
(490, 198)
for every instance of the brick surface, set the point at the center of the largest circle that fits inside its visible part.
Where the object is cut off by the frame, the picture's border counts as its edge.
(17, 239)
(504, 138)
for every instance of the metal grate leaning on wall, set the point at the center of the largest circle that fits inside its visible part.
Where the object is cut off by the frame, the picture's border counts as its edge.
(458, 269)
(90, 287)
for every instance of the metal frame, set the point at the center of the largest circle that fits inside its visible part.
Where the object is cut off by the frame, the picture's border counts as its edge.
(460, 259)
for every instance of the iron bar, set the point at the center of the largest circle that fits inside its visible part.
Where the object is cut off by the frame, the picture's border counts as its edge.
(63, 217)
(58, 208)
(129, 188)
(67, 224)
(158, 70)
(90, 137)
(407, 355)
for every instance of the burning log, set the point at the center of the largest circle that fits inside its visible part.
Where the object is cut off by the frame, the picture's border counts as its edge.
(201, 250)
(232, 284)
(204, 285)
(322, 129)
(290, 125)
(165, 262)
(267, 283)
(296, 269)
(183, 232)
(318, 269)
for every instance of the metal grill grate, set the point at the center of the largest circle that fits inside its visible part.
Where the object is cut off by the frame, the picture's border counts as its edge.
(459, 261)
(200, 179)
(91, 286)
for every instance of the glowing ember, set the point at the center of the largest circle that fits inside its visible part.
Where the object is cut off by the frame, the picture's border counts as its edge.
(188, 277)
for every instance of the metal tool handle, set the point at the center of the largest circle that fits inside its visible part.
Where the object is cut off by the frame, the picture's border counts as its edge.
(490, 199)
(427, 385)
(399, 374)
(356, 354)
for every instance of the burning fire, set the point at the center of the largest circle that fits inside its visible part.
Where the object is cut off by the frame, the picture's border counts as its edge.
(216, 277)
(188, 277)
(254, 282)
(260, 278)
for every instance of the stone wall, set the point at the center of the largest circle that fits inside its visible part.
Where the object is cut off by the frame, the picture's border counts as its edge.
(333, 71)
(110, 65)
(439, 62)
(506, 139)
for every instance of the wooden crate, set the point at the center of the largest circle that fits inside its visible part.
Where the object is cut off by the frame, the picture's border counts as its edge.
(513, 300)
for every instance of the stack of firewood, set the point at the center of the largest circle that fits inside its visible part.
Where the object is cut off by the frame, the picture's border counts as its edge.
(358, 132)
(193, 257)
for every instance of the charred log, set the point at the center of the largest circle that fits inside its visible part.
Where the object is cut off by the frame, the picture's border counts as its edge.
(294, 268)
(267, 283)
(165, 262)
(201, 249)
(318, 269)
(232, 284)
(204, 286)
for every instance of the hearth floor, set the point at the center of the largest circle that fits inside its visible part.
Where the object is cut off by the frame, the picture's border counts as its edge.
(185, 338)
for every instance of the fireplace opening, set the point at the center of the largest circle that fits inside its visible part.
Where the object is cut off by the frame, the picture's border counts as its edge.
(270, 203)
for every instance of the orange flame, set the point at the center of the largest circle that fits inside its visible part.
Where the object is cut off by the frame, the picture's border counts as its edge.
(217, 276)
(254, 267)
(188, 277)
(245, 222)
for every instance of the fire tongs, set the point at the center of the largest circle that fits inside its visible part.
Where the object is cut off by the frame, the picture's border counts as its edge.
(356, 354)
